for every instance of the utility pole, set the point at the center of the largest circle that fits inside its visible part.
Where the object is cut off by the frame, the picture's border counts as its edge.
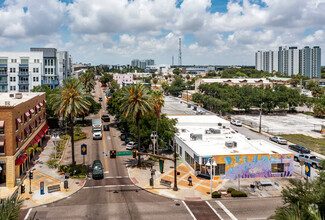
(175, 170)
(260, 127)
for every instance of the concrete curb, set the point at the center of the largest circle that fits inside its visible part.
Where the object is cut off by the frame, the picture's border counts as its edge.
(58, 199)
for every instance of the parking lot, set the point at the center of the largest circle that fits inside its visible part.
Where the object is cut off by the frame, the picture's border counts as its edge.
(285, 124)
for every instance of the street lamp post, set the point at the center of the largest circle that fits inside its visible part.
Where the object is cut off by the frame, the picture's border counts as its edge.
(175, 169)
(154, 139)
(55, 139)
(260, 127)
(211, 173)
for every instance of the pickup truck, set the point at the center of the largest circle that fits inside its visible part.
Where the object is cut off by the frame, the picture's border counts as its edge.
(308, 158)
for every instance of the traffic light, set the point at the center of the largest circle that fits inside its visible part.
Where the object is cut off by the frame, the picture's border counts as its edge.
(112, 154)
(134, 154)
(30, 175)
(22, 188)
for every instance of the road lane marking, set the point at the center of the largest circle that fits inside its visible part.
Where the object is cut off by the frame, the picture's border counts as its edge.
(108, 186)
(104, 146)
(226, 210)
(189, 210)
(111, 177)
(214, 210)
(26, 217)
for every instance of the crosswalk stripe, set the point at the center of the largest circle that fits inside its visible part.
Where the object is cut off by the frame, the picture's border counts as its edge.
(226, 210)
(214, 210)
(189, 210)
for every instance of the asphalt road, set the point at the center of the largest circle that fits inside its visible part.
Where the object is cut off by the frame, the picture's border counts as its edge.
(115, 197)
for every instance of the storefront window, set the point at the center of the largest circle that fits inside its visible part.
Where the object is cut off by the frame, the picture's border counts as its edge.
(277, 167)
(189, 159)
(220, 169)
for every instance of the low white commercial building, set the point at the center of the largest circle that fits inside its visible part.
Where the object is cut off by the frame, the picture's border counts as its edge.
(207, 138)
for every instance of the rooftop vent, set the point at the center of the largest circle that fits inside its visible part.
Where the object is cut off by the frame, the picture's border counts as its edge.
(231, 144)
(183, 130)
(215, 131)
(11, 95)
(7, 103)
(220, 124)
(19, 95)
(195, 137)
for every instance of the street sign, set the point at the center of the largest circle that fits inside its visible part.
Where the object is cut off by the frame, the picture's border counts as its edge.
(124, 153)
(106, 153)
(307, 169)
(83, 149)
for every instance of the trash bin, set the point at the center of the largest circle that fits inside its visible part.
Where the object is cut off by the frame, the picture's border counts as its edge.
(195, 108)
(188, 105)
(252, 186)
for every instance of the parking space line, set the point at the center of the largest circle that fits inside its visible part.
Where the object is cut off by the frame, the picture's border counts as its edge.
(26, 217)
(226, 210)
(188, 209)
(214, 210)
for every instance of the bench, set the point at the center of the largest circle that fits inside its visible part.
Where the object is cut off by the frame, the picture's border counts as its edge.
(165, 183)
(266, 182)
(53, 188)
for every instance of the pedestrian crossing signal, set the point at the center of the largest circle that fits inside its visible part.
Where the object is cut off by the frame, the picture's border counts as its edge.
(112, 154)
(22, 188)
(134, 154)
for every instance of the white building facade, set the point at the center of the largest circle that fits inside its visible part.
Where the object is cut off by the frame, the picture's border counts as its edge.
(290, 61)
(22, 71)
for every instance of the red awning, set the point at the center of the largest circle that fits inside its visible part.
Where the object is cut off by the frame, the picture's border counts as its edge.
(36, 139)
(37, 106)
(44, 101)
(45, 128)
(31, 126)
(33, 141)
(27, 114)
(31, 111)
(41, 104)
(18, 139)
(18, 121)
(41, 133)
(20, 160)
(27, 131)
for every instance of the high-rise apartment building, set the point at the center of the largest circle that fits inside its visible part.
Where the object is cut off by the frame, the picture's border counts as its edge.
(22, 71)
(142, 63)
(290, 61)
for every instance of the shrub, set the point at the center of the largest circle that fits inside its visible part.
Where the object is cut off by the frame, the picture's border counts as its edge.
(65, 137)
(53, 163)
(216, 194)
(154, 158)
(229, 190)
(238, 194)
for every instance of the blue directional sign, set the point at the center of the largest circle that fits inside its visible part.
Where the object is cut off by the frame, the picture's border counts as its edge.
(83, 149)
(307, 169)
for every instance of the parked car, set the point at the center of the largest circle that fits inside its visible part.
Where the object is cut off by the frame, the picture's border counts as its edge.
(124, 136)
(105, 118)
(308, 158)
(131, 145)
(236, 122)
(278, 140)
(106, 127)
(97, 170)
(300, 149)
(100, 99)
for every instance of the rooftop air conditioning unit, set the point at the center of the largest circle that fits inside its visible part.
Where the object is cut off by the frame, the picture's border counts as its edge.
(11, 95)
(19, 95)
(7, 103)
(207, 131)
(195, 137)
(231, 144)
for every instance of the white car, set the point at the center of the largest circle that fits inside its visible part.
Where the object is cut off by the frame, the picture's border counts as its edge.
(278, 140)
(236, 122)
(131, 145)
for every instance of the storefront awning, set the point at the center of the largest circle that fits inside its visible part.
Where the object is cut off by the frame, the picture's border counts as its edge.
(2, 124)
(41, 104)
(45, 128)
(41, 133)
(33, 141)
(44, 101)
(37, 106)
(31, 111)
(18, 121)
(27, 114)
(20, 160)
(36, 139)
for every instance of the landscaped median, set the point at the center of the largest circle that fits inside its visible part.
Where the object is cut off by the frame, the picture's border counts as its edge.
(313, 144)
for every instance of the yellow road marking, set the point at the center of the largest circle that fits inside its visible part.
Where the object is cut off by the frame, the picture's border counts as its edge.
(103, 139)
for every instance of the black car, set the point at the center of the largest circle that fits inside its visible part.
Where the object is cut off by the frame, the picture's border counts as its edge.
(299, 148)
(100, 99)
(105, 118)
(97, 170)
(106, 127)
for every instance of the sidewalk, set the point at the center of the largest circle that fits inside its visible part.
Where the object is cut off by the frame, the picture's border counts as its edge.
(201, 187)
(50, 177)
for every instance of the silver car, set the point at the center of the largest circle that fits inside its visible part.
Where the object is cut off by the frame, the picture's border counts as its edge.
(278, 140)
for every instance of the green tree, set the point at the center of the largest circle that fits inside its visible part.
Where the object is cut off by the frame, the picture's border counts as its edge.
(48, 91)
(88, 80)
(158, 103)
(155, 81)
(188, 77)
(312, 84)
(136, 103)
(317, 92)
(70, 101)
(106, 78)
(10, 207)
(33, 148)
(177, 71)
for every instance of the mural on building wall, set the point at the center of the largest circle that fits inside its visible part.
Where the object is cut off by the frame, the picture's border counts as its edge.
(254, 166)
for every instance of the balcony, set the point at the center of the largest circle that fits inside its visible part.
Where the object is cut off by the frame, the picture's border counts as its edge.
(23, 82)
(50, 82)
(23, 65)
(23, 90)
(3, 90)
(23, 74)
(3, 65)
(3, 83)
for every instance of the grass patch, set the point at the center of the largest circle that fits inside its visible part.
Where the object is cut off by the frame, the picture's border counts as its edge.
(314, 144)
(310, 114)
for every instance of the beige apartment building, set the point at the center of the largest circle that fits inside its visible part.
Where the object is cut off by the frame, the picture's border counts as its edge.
(22, 124)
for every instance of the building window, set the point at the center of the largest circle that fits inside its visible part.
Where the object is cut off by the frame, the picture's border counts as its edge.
(35, 70)
(13, 79)
(277, 167)
(2, 127)
(14, 60)
(52, 62)
(220, 169)
(12, 70)
(3, 61)
(24, 61)
(189, 159)
(180, 151)
(35, 79)
(12, 88)
(51, 70)
(36, 60)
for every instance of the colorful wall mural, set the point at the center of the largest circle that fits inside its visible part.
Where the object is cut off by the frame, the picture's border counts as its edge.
(255, 166)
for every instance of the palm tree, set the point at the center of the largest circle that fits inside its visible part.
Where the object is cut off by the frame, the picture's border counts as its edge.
(33, 148)
(158, 103)
(70, 101)
(88, 80)
(135, 101)
(10, 207)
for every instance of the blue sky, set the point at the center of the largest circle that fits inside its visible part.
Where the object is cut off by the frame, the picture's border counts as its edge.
(117, 31)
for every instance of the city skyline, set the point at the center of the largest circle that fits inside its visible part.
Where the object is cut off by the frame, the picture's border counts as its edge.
(212, 32)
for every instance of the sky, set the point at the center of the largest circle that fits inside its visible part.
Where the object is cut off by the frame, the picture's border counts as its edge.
(216, 32)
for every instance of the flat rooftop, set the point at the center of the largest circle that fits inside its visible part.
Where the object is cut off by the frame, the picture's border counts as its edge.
(6, 100)
(197, 133)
